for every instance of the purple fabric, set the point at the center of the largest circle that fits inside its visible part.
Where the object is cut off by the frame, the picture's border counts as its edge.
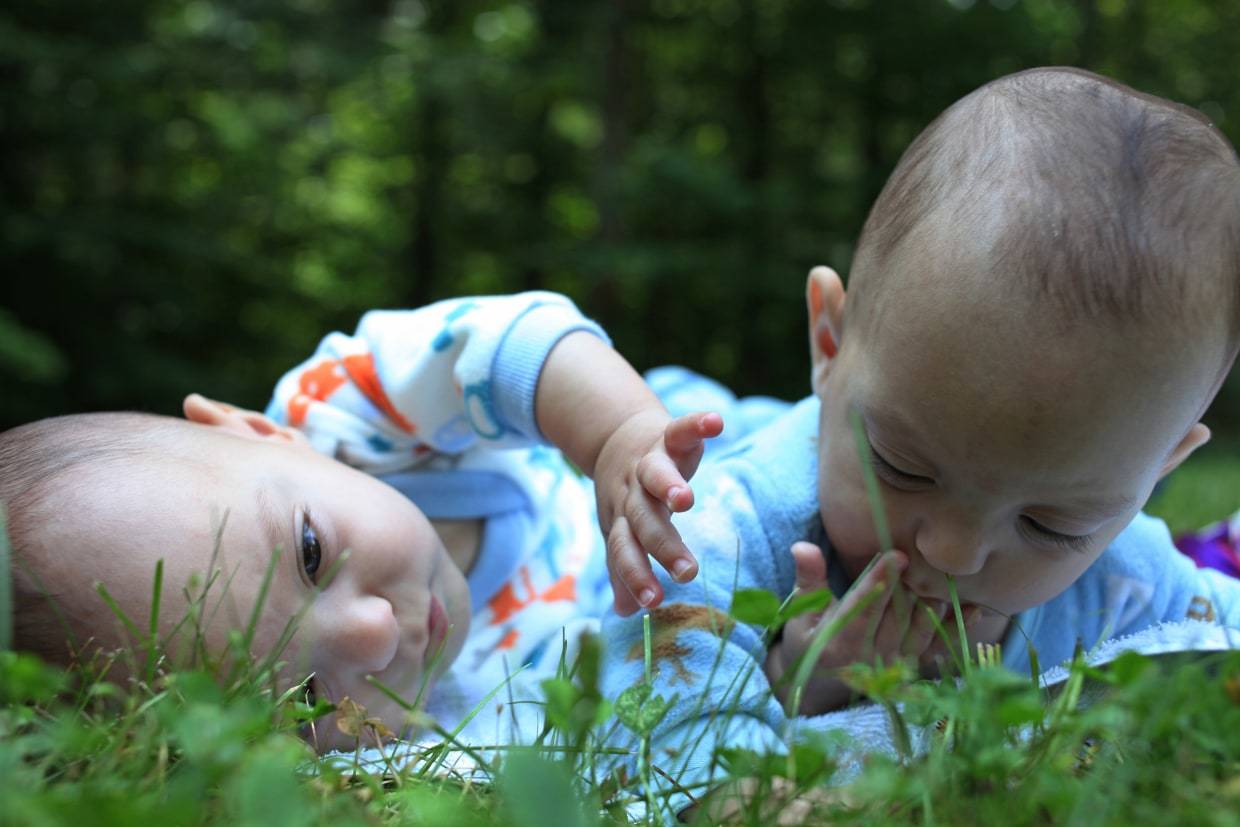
(1215, 547)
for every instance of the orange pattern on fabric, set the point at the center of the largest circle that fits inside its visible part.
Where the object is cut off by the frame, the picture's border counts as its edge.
(507, 603)
(315, 383)
(321, 381)
(297, 408)
(509, 640)
(361, 369)
(563, 589)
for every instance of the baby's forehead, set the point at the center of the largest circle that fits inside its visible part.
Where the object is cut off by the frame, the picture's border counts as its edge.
(1079, 200)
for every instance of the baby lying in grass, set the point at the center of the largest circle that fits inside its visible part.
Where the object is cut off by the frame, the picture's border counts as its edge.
(475, 556)
(1043, 302)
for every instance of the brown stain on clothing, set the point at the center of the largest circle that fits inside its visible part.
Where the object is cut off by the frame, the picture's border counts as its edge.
(666, 624)
(1200, 608)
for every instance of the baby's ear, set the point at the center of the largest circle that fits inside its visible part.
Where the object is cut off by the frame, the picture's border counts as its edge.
(1197, 436)
(239, 421)
(824, 298)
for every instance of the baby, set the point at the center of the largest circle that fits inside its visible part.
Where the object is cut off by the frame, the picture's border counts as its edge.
(1044, 300)
(373, 578)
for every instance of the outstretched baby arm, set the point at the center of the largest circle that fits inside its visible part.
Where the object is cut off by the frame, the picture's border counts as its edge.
(598, 410)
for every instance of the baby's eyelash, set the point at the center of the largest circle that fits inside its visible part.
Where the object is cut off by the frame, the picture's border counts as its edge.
(309, 547)
(1040, 532)
(885, 469)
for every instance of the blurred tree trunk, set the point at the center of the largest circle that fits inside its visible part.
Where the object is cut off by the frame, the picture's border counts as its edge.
(536, 193)
(1087, 49)
(429, 161)
(615, 124)
(755, 111)
(431, 155)
(608, 169)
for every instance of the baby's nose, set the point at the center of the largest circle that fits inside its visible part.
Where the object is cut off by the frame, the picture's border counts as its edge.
(366, 635)
(951, 548)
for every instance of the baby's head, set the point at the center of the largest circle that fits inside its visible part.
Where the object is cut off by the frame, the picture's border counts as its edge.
(1044, 300)
(101, 497)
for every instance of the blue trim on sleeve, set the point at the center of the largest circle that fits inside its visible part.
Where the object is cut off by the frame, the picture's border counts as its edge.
(460, 494)
(520, 357)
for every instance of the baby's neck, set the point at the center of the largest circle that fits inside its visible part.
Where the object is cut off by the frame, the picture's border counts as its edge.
(462, 539)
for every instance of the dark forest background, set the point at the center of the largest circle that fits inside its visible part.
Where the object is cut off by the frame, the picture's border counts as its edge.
(193, 193)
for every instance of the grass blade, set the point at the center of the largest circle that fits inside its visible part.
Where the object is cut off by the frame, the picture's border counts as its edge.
(129, 625)
(872, 493)
(6, 584)
(152, 640)
(257, 610)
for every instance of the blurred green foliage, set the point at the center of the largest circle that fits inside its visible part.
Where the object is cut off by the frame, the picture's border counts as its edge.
(193, 193)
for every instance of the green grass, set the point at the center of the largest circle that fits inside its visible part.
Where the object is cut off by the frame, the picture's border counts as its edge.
(189, 747)
(1206, 488)
(217, 743)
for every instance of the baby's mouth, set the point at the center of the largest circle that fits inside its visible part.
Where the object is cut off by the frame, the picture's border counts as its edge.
(934, 599)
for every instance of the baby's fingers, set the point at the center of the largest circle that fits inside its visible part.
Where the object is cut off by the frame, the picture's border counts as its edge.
(921, 631)
(652, 528)
(632, 580)
(685, 436)
(811, 566)
(867, 601)
(661, 479)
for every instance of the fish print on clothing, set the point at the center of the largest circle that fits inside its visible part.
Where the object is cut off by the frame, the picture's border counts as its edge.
(667, 622)
(318, 382)
(444, 339)
(511, 608)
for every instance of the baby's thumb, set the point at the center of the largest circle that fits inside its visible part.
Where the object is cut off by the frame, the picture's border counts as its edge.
(811, 566)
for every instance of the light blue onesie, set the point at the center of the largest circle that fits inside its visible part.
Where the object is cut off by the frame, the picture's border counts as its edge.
(757, 498)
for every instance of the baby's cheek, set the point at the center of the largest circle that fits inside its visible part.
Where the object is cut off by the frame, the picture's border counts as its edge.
(846, 520)
(1023, 584)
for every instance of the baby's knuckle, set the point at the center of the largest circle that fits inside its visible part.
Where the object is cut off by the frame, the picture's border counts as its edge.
(648, 468)
(631, 572)
(663, 546)
(617, 544)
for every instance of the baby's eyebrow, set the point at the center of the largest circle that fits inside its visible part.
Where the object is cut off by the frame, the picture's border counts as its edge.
(1108, 505)
(884, 420)
(269, 516)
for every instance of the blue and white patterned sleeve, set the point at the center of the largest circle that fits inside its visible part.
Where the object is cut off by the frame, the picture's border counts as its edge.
(440, 379)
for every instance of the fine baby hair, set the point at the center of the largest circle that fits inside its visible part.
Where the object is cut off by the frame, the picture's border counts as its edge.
(1088, 197)
(49, 466)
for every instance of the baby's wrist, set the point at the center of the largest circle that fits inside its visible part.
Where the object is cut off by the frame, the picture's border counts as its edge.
(636, 434)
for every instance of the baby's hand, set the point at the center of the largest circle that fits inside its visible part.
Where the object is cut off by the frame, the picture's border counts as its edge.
(879, 617)
(640, 479)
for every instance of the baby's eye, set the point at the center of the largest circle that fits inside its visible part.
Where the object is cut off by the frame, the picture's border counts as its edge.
(311, 552)
(892, 475)
(1037, 531)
